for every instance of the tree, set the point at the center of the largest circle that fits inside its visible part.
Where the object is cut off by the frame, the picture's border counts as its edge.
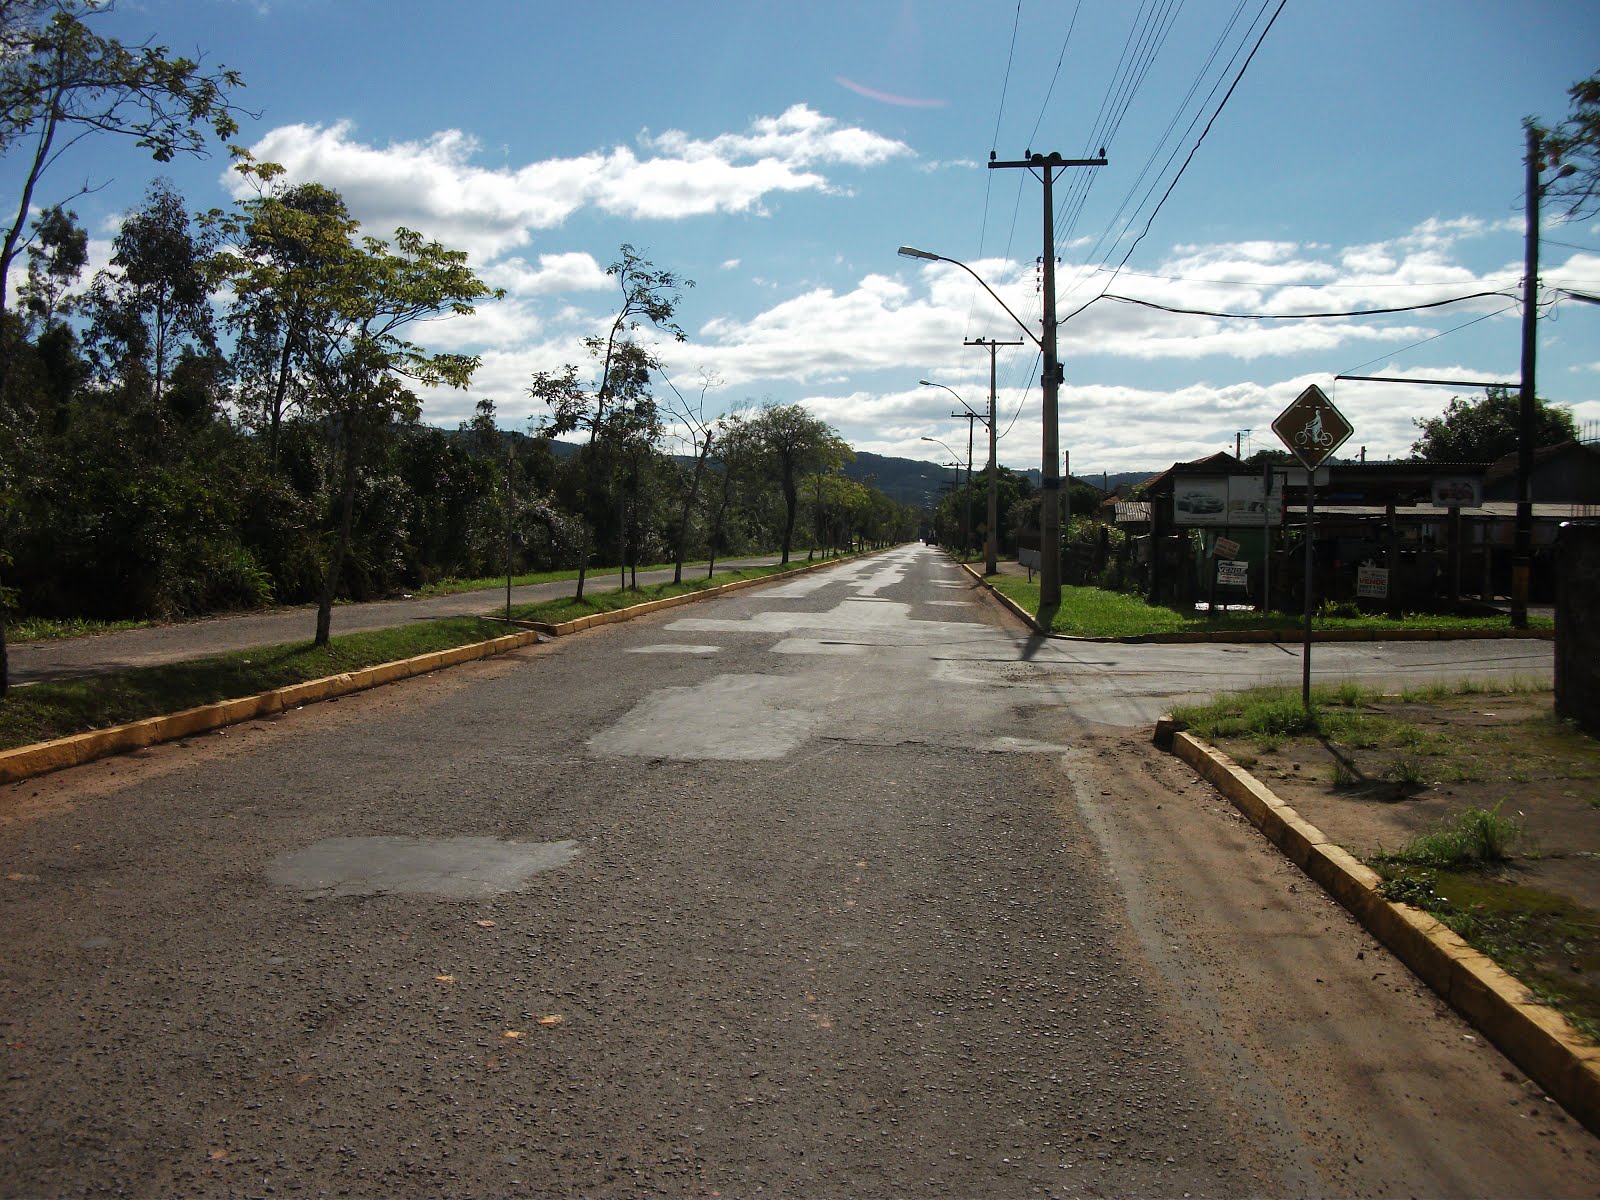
(1575, 143)
(61, 82)
(283, 248)
(57, 254)
(156, 298)
(1482, 431)
(360, 359)
(792, 443)
(619, 406)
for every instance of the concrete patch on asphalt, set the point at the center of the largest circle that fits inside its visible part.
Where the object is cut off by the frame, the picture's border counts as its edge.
(886, 622)
(818, 646)
(951, 603)
(674, 648)
(729, 718)
(461, 867)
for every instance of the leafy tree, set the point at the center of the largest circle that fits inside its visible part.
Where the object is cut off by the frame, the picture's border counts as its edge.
(60, 82)
(155, 300)
(1482, 431)
(1575, 143)
(360, 358)
(57, 254)
(283, 249)
(619, 409)
(791, 444)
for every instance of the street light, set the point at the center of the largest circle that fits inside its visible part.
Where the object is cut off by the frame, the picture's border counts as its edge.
(930, 256)
(966, 516)
(954, 464)
(1050, 454)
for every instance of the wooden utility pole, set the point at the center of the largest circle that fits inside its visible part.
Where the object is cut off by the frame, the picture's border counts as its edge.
(1044, 167)
(991, 543)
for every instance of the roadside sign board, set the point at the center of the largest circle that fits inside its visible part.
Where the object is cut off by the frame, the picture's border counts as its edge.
(1233, 574)
(1312, 428)
(1372, 583)
(1225, 548)
(1458, 493)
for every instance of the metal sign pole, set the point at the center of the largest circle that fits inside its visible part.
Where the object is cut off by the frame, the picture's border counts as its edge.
(1266, 542)
(1310, 546)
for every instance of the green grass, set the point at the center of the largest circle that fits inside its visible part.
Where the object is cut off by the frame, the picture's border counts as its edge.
(1340, 713)
(451, 587)
(1093, 612)
(1474, 837)
(50, 710)
(1549, 942)
(41, 629)
(40, 712)
(567, 608)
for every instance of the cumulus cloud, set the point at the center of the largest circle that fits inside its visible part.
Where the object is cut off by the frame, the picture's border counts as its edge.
(434, 184)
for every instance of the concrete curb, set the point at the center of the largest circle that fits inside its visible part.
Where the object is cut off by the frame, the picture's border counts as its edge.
(1535, 1037)
(1246, 636)
(25, 762)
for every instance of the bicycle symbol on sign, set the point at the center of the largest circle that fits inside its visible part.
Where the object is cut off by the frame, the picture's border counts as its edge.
(1313, 435)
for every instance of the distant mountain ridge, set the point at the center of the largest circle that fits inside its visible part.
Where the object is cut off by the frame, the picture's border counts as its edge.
(915, 481)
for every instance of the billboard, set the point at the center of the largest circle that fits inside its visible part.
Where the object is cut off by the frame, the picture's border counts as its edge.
(1219, 500)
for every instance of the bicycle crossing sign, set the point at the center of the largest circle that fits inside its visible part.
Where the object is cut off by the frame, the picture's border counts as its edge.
(1312, 428)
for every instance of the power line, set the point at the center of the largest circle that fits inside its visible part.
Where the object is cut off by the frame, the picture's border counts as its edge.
(1432, 338)
(1358, 312)
(1061, 58)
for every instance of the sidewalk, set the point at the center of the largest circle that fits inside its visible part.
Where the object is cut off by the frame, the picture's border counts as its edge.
(71, 658)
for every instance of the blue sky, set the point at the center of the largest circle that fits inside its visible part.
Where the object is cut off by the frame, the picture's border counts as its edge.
(778, 154)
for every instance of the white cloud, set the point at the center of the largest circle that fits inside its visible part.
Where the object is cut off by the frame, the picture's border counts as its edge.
(433, 183)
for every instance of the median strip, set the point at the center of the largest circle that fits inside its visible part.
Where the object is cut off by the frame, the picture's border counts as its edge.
(25, 762)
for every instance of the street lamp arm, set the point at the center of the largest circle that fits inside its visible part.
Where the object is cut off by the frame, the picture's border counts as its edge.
(928, 255)
(983, 420)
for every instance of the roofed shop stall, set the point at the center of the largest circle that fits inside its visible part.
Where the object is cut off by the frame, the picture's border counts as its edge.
(1395, 537)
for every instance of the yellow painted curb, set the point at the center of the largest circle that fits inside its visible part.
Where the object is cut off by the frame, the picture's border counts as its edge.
(25, 762)
(1537, 1038)
(1016, 609)
(616, 615)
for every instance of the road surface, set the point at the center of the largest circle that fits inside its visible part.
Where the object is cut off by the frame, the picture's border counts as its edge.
(835, 887)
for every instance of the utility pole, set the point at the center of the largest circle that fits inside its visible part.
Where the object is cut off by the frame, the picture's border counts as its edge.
(991, 552)
(1522, 552)
(966, 517)
(1044, 168)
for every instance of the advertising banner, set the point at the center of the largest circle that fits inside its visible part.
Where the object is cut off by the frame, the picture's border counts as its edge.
(1232, 500)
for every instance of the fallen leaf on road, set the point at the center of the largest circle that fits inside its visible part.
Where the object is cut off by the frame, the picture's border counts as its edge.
(444, 978)
(217, 1155)
(512, 1035)
(484, 924)
(552, 1019)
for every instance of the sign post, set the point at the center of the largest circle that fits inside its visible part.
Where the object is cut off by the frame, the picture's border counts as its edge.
(1312, 428)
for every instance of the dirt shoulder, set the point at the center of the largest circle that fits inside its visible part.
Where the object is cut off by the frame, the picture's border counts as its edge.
(1408, 768)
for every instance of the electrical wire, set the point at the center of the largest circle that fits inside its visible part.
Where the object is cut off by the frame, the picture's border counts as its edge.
(1061, 58)
(1359, 312)
(1389, 354)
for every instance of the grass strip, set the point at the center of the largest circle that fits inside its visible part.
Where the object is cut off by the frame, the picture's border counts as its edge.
(1094, 612)
(451, 587)
(554, 612)
(43, 711)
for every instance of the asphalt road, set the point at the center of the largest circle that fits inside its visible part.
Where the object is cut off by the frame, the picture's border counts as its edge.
(833, 887)
(68, 658)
